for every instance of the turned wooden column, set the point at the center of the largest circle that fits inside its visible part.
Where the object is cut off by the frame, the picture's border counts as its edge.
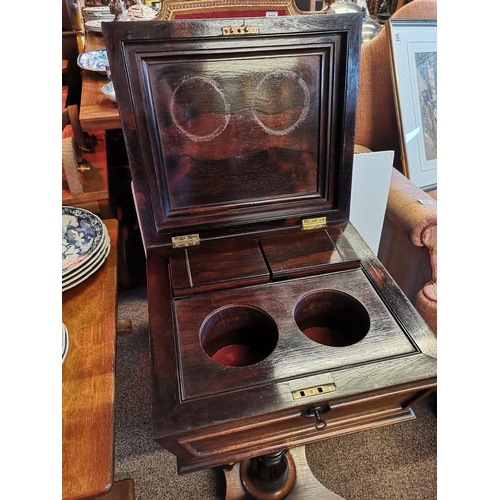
(269, 477)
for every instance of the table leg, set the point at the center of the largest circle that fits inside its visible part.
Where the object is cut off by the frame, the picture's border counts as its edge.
(120, 490)
(305, 484)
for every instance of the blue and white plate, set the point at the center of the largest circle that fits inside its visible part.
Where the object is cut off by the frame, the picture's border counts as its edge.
(95, 267)
(82, 268)
(109, 91)
(82, 235)
(94, 60)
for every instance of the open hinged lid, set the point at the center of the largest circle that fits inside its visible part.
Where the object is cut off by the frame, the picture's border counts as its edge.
(232, 129)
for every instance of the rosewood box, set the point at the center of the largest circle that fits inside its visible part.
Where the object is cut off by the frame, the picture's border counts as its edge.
(272, 324)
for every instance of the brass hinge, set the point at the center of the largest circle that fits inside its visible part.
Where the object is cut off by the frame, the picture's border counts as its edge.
(189, 240)
(316, 223)
(240, 30)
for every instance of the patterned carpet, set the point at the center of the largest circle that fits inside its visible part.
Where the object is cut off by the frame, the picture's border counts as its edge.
(397, 462)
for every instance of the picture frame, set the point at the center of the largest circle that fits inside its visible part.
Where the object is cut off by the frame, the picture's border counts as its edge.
(196, 9)
(413, 46)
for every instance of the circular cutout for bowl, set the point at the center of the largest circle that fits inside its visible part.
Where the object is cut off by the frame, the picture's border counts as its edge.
(332, 318)
(238, 335)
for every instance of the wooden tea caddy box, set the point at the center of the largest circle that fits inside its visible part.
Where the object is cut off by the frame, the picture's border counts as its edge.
(272, 324)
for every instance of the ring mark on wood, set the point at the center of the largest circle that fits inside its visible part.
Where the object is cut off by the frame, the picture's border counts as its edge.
(183, 86)
(282, 75)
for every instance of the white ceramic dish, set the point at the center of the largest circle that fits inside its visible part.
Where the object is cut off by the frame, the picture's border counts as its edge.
(97, 10)
(65, 342)
(94, 60)
(96, 25)
(91, 271)
(109, 91)
(82, 235)
(97, 13)
(140, 13)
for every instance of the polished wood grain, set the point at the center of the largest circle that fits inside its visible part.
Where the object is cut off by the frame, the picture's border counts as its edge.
(208, 413)
(218, 265)
(88, 380)
(97, 112)
(259, 141)
(303, 253)
(260, 311)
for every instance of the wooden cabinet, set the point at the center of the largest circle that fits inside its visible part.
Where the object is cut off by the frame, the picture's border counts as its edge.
(272, 323)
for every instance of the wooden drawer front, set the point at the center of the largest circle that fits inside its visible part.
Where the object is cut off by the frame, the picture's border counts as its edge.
(294, 429)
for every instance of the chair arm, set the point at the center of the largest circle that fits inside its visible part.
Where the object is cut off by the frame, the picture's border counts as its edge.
(408, 244)
(406, 210)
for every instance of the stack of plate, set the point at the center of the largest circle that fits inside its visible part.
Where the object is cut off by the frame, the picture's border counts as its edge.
(96, 26)
(94, 16)
(97, 13)
(85, 245)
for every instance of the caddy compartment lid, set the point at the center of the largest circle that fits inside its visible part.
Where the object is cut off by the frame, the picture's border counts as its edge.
(237, 125)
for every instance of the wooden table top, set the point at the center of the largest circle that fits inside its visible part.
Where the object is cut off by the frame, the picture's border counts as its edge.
(88, 379)
(97, 112)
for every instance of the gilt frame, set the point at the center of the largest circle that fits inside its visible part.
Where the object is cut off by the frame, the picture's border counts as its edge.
(200, 9)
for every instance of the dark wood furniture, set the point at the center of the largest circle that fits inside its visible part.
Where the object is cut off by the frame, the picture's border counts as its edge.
(88, 385)
(272, 323)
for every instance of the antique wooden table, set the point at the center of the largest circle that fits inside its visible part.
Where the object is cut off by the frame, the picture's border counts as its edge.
(88, 384)
(97, 112)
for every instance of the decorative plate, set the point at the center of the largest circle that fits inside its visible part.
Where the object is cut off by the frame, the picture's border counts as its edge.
(65, 342)
(87, 267)
(95, 60)
(109, 91)
(83, 267)
(91, 271)
(82, 232)
(96, 252)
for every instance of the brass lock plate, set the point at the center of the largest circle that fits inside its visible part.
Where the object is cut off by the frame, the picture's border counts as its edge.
(240, 30)
(313, 391)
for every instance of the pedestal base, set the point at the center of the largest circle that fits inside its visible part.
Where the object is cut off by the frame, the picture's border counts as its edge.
(306, 485)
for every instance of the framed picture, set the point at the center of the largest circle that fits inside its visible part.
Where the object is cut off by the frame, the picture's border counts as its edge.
(413, 45)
